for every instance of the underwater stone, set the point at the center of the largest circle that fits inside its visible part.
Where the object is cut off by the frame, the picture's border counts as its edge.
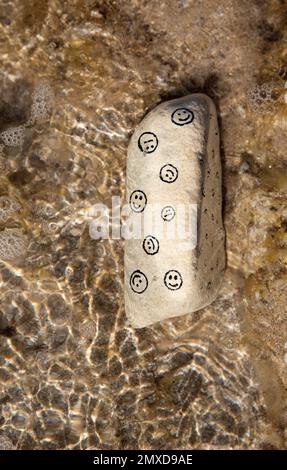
(13, 136)
(6, 443)
(42, 102)
(8, 206)
(13, 244)
(174, 180)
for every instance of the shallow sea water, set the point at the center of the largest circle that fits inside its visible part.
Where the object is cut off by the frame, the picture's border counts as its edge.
(73, 374)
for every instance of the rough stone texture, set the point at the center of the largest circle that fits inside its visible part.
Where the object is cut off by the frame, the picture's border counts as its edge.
(216, 379)
(175, 256)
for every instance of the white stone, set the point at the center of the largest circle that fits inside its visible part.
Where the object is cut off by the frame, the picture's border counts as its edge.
(174, 164)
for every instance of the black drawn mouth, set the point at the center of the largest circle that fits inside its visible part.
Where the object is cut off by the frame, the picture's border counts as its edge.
(137, 206)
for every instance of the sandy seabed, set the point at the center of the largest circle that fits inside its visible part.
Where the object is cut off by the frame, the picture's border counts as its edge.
(73, 374)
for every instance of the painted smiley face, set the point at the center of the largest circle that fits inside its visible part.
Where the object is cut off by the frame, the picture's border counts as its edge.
(182, 116)
(168, 173)
(151, 245)
(138, 200)
(173, 280)
(148, 142)
(138, 282)
(168, 213)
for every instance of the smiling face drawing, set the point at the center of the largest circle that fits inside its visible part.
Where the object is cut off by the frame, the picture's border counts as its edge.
(173, 280)
(167, 213)
(168, 173)
(138, 200)
(151, 245)
(148, 142)
(138, 282)
(182, 116)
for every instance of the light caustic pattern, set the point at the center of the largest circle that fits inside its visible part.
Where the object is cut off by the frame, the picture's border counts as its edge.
(73, 373)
